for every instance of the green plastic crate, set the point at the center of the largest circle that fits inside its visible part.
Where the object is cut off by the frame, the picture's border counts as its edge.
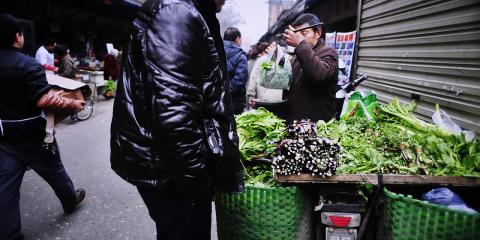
(272, 213)
(405, 218)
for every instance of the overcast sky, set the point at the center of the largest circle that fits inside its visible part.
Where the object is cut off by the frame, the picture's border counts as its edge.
(255, 16)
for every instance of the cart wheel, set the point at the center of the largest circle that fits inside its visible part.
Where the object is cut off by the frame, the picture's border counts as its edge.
(87, 111)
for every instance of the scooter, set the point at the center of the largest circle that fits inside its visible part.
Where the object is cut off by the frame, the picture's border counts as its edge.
(340, 213)
(345, 86)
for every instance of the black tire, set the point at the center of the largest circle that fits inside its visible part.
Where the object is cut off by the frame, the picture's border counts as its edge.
(87, 111)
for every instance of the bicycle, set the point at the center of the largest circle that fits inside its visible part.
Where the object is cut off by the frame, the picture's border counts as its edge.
(87, 111)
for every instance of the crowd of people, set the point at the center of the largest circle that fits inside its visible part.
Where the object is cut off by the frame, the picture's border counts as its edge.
(57, 58)
(173, 131)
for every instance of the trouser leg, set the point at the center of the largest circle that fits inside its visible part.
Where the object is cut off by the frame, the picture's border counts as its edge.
(11, 174)
(49, 166)
(178, 217)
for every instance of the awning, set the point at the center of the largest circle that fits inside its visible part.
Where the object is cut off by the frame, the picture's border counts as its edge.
(286, 18)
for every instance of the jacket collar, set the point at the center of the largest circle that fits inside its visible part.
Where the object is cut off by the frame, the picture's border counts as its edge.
(13, 49)
(320, 43)
(230, 44)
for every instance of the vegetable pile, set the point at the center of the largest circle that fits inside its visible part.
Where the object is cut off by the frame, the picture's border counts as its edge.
(400, 143)
(397, 142)
(259, 132)
(304, 152)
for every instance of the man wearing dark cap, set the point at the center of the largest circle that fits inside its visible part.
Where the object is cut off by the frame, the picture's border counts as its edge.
(24, 94)
(314, 72)
(173, 133)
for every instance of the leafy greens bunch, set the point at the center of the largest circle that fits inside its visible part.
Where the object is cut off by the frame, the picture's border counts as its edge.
(259, 132)
(400, 143)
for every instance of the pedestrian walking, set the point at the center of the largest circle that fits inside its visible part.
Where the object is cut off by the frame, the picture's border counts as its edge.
(173, 132)
(237, 68)
(23, 95)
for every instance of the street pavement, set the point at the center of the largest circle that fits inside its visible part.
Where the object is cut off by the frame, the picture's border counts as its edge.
(112, 209)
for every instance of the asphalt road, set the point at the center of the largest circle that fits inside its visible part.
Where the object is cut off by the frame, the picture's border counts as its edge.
(112, 209)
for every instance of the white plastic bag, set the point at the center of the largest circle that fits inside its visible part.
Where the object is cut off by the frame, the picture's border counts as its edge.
(275, 70)
(444, 121)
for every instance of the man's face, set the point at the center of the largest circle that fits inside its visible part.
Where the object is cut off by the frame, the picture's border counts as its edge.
(310, 35)
(220, 4)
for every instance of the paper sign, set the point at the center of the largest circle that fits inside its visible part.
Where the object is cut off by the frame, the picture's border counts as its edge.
(345, 46)
(110, 47)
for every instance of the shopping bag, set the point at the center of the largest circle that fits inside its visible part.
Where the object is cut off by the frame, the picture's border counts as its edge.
(360, 104)
(275, 70)
(444, 121)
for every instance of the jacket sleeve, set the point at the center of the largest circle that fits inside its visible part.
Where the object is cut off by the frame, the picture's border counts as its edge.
(55, 102)
(239, 81)
(318, 68)
(252, 87)
(174, 54)
(36, 80)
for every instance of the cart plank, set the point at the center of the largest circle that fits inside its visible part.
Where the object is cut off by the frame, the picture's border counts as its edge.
(388, 179)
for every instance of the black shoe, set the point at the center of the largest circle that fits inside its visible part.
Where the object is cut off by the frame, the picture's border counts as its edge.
(80, 194)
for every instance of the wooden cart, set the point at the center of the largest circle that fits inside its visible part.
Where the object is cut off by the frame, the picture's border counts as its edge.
(347, 183)
(388, 179)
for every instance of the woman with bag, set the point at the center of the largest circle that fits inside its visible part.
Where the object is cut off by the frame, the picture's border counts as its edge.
(270, 75)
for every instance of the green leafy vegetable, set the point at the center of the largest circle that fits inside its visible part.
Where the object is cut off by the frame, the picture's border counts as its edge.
(259, 131)
(267, 65)
(400, 143)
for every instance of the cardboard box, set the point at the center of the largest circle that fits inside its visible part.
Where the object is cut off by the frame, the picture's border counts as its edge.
(70, 89)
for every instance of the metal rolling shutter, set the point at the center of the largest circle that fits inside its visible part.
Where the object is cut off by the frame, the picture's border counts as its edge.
(424, 50)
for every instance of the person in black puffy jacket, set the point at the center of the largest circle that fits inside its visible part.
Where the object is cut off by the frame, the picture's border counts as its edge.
(237, 65)
(173, 132)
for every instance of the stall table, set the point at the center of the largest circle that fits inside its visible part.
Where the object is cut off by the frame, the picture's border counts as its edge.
(388, 179)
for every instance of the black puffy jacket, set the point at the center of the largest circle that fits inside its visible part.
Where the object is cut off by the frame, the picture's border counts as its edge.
(173, 124)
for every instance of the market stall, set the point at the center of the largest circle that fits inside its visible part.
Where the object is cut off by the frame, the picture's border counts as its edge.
(373, 157)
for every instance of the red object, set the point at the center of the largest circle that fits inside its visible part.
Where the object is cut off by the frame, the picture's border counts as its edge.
(111, 68)
(49, 67)
(340, 221)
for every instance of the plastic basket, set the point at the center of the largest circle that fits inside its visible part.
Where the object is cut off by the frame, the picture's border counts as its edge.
(405, 218)
(259, 213)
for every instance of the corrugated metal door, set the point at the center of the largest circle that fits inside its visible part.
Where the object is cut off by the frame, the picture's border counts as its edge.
(424, 50)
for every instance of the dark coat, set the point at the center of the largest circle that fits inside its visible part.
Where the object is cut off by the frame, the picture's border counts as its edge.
(23, 82)
(173, 125)
(111, 67)
(312, 93)
(237, 65)
(67, 68)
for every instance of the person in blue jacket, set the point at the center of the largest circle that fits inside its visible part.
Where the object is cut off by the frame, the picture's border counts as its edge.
(237, 65)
